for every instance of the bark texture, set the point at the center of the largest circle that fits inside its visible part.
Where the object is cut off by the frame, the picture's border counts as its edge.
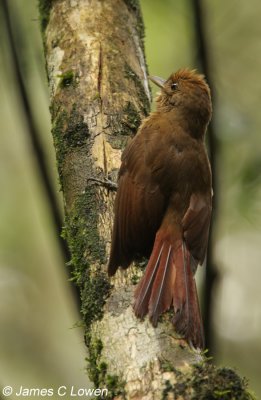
(99, 94)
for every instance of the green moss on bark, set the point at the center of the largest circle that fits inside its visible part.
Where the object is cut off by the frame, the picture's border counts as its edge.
(134, 6)
(115, 386)
(77, 131)
(207, 382)
(93, 369)
(97, 371)
(142, 96)
(69, 131)
(118, 142)
(44, 10)
(87, 248)
(66, 79)
(131, 120)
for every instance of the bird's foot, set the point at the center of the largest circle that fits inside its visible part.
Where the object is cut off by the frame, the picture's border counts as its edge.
(107, 183)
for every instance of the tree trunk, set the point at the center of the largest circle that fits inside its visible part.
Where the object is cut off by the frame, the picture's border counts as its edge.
(99, 94)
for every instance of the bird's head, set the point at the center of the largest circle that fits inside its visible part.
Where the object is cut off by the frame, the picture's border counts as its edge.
(186, 91)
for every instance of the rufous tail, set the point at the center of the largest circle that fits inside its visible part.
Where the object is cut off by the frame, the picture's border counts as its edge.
(168, 280)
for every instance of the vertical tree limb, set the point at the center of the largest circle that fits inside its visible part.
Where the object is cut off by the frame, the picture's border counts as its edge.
(33, 133)
(203, 60)
(31, 125)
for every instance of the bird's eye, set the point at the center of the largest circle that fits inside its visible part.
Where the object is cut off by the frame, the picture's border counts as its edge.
(174, 86)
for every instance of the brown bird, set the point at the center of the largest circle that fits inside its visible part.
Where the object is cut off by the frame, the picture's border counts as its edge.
(163, 203)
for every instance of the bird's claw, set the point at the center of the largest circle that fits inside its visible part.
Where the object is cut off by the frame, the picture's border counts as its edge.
(107, 183)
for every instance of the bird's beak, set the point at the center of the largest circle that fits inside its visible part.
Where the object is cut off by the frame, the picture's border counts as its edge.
(158, 81)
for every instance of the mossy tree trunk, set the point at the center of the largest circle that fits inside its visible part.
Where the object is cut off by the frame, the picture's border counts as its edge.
(99, 94)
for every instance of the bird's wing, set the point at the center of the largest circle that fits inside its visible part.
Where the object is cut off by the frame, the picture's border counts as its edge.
(139, 207)
(196, 223)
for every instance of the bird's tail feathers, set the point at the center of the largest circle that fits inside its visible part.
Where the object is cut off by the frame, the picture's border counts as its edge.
(187, 319)
(168, 280)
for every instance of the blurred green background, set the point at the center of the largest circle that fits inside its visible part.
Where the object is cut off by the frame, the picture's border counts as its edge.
(39, 343)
